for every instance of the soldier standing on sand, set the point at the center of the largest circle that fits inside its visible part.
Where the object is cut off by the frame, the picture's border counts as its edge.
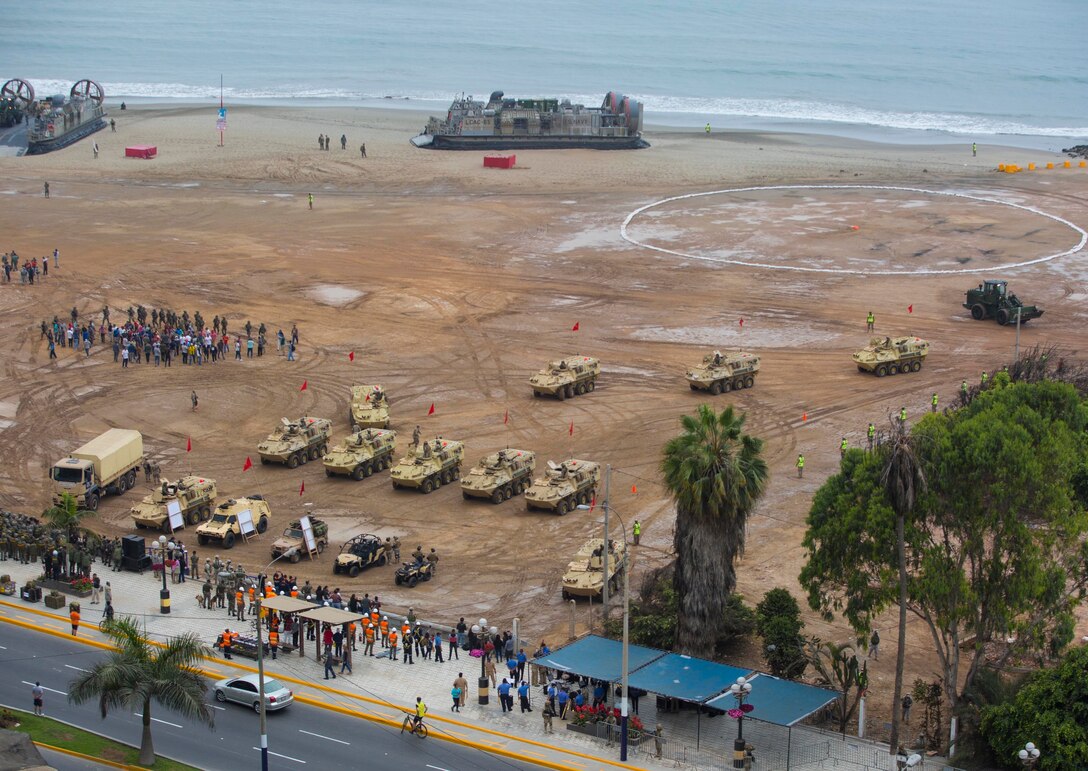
(193, 398)
(343, 141)
(415, 437)
(45, 190)
(362, 150)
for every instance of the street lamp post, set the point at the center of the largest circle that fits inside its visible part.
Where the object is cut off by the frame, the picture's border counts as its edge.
(258, 595)
(740, 690)
(164, 595)
(1029, 756)
(483, 683)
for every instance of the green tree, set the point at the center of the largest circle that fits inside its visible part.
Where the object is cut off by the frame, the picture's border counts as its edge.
(137, 673)
(715, 474)
(837, 666)
(67, 515)
(996, 546)
(1051, 710)
(778, 621)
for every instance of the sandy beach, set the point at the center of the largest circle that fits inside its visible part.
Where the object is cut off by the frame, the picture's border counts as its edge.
(452, 283)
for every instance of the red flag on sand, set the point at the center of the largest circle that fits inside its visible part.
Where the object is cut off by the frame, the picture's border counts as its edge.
(304, 384)
(189, 444)
(247, 465)
(742, 322)
(431, 410)
(593, 503)
(575, 327)
(634, 489)
(302, 487)
(571, 431)
(910, 308)
(804, 417)
(351, 356)
(506, 417)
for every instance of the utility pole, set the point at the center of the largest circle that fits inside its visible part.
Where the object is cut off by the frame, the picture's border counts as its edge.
(260, 680)
(1018, 310)
(604, 548)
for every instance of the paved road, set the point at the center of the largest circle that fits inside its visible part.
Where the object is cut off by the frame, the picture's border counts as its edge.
(300, 736)
(13, 140)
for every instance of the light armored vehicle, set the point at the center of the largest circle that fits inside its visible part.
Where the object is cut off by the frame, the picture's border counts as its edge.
(360, 552)
(369, 407)
(888, 355)
(362, 453)
(500, 476)
(225, 524)
(411, 573)
(429, 465)
(194, 495)
(587, 572)
(564, 486)
(724, 372)
(295, 442)
(292, 539)
(993, 300)
(564, 378)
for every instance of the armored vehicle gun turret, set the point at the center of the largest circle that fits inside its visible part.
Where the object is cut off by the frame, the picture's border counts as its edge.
(724, 372)
(292, 539)
(564, 378)
(225, 526)
(993, 300)
(361, 454)
(564, 486)
(369, 407)
(360, 552)
(587, 572)
(193, 495)
(429, 465)
(295, 442)
(888, 355)
(500, 476)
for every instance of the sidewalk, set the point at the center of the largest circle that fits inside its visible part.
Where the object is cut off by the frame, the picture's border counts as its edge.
(379, 689)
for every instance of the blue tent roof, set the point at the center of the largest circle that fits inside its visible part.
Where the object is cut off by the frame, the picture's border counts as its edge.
(686, 678)
(598, 657)
(782, 702)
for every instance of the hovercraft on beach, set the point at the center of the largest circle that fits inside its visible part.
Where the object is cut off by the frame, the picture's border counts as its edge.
(503, 123)
(57, 121)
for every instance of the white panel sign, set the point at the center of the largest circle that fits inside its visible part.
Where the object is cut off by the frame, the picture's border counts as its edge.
(245, 522)
(308, 533)
(173, 513)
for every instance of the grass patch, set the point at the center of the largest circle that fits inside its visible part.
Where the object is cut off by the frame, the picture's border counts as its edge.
(49, 731)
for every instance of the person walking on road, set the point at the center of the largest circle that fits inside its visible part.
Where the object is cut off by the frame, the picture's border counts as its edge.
(455, 694)
(461, 684)
(39, 698)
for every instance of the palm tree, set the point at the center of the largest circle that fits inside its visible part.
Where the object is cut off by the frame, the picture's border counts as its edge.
(904, 480)
(138, 672)
(715, 474)
(66, 515)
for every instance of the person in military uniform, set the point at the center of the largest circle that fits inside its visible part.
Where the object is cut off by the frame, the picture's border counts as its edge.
(220, 595)
(432, 558)
(415, 437)
(426, 449)
(117, 552)
(417, 555)
(396, 548)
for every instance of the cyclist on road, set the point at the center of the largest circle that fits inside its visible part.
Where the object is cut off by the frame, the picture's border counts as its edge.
(421, 711)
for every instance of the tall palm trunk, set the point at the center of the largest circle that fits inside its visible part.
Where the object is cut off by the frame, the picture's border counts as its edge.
(901, 651)
(702, 579)
(147, 747)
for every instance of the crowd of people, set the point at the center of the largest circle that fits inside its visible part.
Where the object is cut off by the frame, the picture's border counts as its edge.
(30, 270)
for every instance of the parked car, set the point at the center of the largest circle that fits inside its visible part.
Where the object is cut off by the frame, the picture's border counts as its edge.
(243, 690)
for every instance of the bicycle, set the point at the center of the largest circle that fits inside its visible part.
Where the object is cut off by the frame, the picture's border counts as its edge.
(410, 725)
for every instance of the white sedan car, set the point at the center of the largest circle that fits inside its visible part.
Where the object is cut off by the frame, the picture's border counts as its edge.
(243, 690)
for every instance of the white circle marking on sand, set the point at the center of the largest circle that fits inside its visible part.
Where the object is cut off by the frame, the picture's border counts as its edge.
(923, 272)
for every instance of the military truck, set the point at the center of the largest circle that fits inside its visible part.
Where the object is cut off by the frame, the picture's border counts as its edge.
(429, 465)
(724, 372)
(361, 454)
(105, 465)
(500, 476)
(360, 552)
(564, 486)
(292, 539)
(224, 525)
(194, 495)
(565, 378)
(587, 572)
(888, 355)
(992, 300)
(369, 407)
(295, 442)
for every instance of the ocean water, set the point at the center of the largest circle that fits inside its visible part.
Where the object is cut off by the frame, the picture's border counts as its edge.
(978, 68)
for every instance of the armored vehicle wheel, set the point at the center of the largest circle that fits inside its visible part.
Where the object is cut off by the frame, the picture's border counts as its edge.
(465, 495)
(579, 389)
(294, 557)
(166, 526)
(92, 502)
(570, 391)
(396, 486)
(265, 461)
(413, 581)
(507, 493)
(749, 381)
(566, 595)
(353, 571)
(335, 569)
(1003, 317)
(396, 580)
(496, 497)
(881, 371)
(262, 524)
(456, 472)
(140, 527)
(582, 498)
(131, 479)
(716, 387)
(561, 507)
(591, 385)
(428, 575)
(228, 542)
(427, 486)
(192, 517)
(205, 513)
(302, 458)
(861, 368)
(320, 546)
(519, 487)
(357, 474)
(445, 477)
(387, 461)
(324, 449)
(892, 369)
(292, 462)
(693, 387)
(122, 485)
(916, 365)
(978, 312)
(328, 472)
(368, 469)
(314, 453)
(561, 394)
(202, 540)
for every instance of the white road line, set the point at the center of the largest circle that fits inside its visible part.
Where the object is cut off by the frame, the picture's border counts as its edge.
(285, 757)
(51, 690)
(78, 669)
(221, 709)
(320, 736)
(3, 647)
(164, 722)
(437, 768)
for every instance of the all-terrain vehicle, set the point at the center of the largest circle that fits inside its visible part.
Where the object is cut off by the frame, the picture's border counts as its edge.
(500, 476)
(295, 442)
(361, 454)
(292, 539)
(429, 465)
(587, 573)
(724, 372)
(224, 525)
(888, 355)
(411, 573)
(194, 495)
(360, 552)
(369, 407)
(565, 378)
(993, 300)
(564, 486)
